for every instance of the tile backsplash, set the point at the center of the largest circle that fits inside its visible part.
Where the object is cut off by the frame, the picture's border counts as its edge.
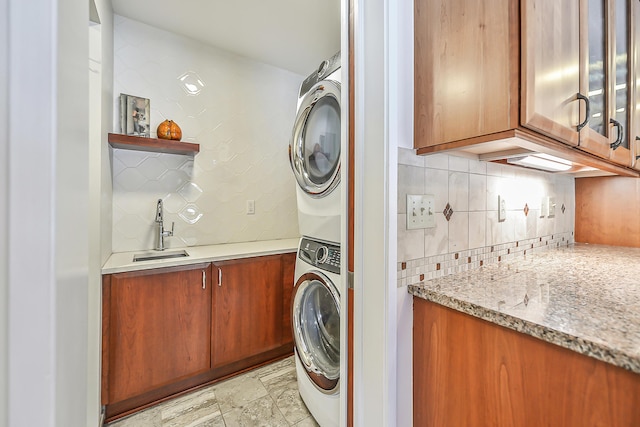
(240, 112)
(467, 191)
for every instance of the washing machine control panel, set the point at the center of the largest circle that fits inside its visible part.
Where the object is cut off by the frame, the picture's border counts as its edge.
(323, 255)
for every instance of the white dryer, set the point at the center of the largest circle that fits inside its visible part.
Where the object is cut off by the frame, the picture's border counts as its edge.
(316, 328)
(314, 152)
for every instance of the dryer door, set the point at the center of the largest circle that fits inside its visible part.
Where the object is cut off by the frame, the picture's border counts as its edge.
(316, 329)
(314, 151)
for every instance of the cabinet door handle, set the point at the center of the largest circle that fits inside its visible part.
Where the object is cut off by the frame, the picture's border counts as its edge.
(219, 276)
(618, 142)
(204, 279)
(587, 113)
(637, 139)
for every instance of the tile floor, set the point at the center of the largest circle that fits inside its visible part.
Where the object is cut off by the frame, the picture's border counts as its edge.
(265, 397)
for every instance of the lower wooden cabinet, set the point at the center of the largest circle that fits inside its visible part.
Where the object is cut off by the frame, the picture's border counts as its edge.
(470, 372)
(168, 330)
(248, 305)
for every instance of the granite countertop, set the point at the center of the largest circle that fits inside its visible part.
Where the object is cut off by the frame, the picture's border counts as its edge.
(123, 261)
(582, 297)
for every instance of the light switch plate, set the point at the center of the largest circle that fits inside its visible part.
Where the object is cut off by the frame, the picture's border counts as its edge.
(502, 209)
(420, 211)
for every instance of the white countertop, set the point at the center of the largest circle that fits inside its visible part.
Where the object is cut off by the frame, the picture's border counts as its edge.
(123, 261)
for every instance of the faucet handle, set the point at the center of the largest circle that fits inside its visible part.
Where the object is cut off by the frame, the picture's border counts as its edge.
(170, 233)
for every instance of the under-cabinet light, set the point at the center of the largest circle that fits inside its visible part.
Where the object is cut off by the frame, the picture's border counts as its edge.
(542, 161)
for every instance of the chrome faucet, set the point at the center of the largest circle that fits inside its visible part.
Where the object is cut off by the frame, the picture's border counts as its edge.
(161, 232)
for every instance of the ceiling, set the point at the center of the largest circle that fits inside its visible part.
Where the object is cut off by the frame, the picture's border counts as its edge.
(295, 35)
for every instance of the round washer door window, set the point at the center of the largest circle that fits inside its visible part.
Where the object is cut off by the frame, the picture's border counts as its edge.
(316, 322)
(315, 144)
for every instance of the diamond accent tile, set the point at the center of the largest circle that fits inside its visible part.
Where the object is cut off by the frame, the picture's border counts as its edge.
(526, 300)
(563, 208)
(191, 213)
(190, 191)
(448, 211)
(191, 83)
(526, 209)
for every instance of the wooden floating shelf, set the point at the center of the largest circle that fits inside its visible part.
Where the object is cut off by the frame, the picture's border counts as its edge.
(128, 142)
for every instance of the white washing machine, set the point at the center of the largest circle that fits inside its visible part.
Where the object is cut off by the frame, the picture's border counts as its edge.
(316, 328)
(314, 152)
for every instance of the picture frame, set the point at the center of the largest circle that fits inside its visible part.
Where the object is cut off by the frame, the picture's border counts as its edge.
(135, 115)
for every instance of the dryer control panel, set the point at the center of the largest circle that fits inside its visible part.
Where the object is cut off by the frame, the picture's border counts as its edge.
(323, 255)
(325, 68)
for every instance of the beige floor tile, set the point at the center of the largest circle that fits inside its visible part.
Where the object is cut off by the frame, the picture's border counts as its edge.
(148, 418)
(191, 410)
(237, 392)
(262, 412)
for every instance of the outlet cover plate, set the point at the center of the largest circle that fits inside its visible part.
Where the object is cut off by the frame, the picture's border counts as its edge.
(502, 209)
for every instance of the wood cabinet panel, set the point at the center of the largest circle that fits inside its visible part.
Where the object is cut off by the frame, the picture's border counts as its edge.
(550, 68)
(473, 373)
(288, 271)
(247, 307)
(159, 324)
(607, 211)
(466, 69)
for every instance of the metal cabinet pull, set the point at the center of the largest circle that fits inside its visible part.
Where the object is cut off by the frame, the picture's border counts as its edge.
(587, 113)
(618, 142)
(638, 156)
(204, 279)
(219, 276)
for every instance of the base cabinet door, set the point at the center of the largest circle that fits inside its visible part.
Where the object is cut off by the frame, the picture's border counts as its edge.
(158, 329)
(247, 310)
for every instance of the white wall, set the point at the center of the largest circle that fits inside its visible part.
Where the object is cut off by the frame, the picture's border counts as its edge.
(100, 74)
(242, 119)
(4, 224)
(375, 316)
(47, 207)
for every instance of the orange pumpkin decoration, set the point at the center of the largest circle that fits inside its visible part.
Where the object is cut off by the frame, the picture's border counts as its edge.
(169, 130)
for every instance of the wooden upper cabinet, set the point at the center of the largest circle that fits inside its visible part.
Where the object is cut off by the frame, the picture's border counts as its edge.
(542, 75)
(159, 324)
(466, 69)
(550, 68)
(247, 307)
(605, 77)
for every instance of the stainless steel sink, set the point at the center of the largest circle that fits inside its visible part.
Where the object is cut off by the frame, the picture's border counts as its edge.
(153, 255)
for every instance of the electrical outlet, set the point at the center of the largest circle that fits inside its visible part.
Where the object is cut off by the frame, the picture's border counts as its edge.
(251, 207)
(544, 206)
(502, 209)
(552, 207)
(420, 211)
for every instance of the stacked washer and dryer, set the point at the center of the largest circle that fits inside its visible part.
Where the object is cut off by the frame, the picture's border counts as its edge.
(314, 153)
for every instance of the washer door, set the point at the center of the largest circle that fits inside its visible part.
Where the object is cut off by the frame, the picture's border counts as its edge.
(316, 329)
(314, 151)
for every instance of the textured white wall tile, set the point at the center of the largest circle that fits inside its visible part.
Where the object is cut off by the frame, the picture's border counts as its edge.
(410, 181)
(437, 161)
(437, 183)
(436, 240)
(240, 112)
(459, 232)
(477, 227)
(410, 242)
(459, 191)
(477, 192)
(459, 164)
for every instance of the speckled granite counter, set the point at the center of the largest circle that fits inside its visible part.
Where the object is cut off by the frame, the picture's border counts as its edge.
(582, 297)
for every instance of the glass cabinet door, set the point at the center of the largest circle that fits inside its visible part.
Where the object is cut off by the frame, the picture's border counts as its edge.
(596, 67)
(621, 71)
